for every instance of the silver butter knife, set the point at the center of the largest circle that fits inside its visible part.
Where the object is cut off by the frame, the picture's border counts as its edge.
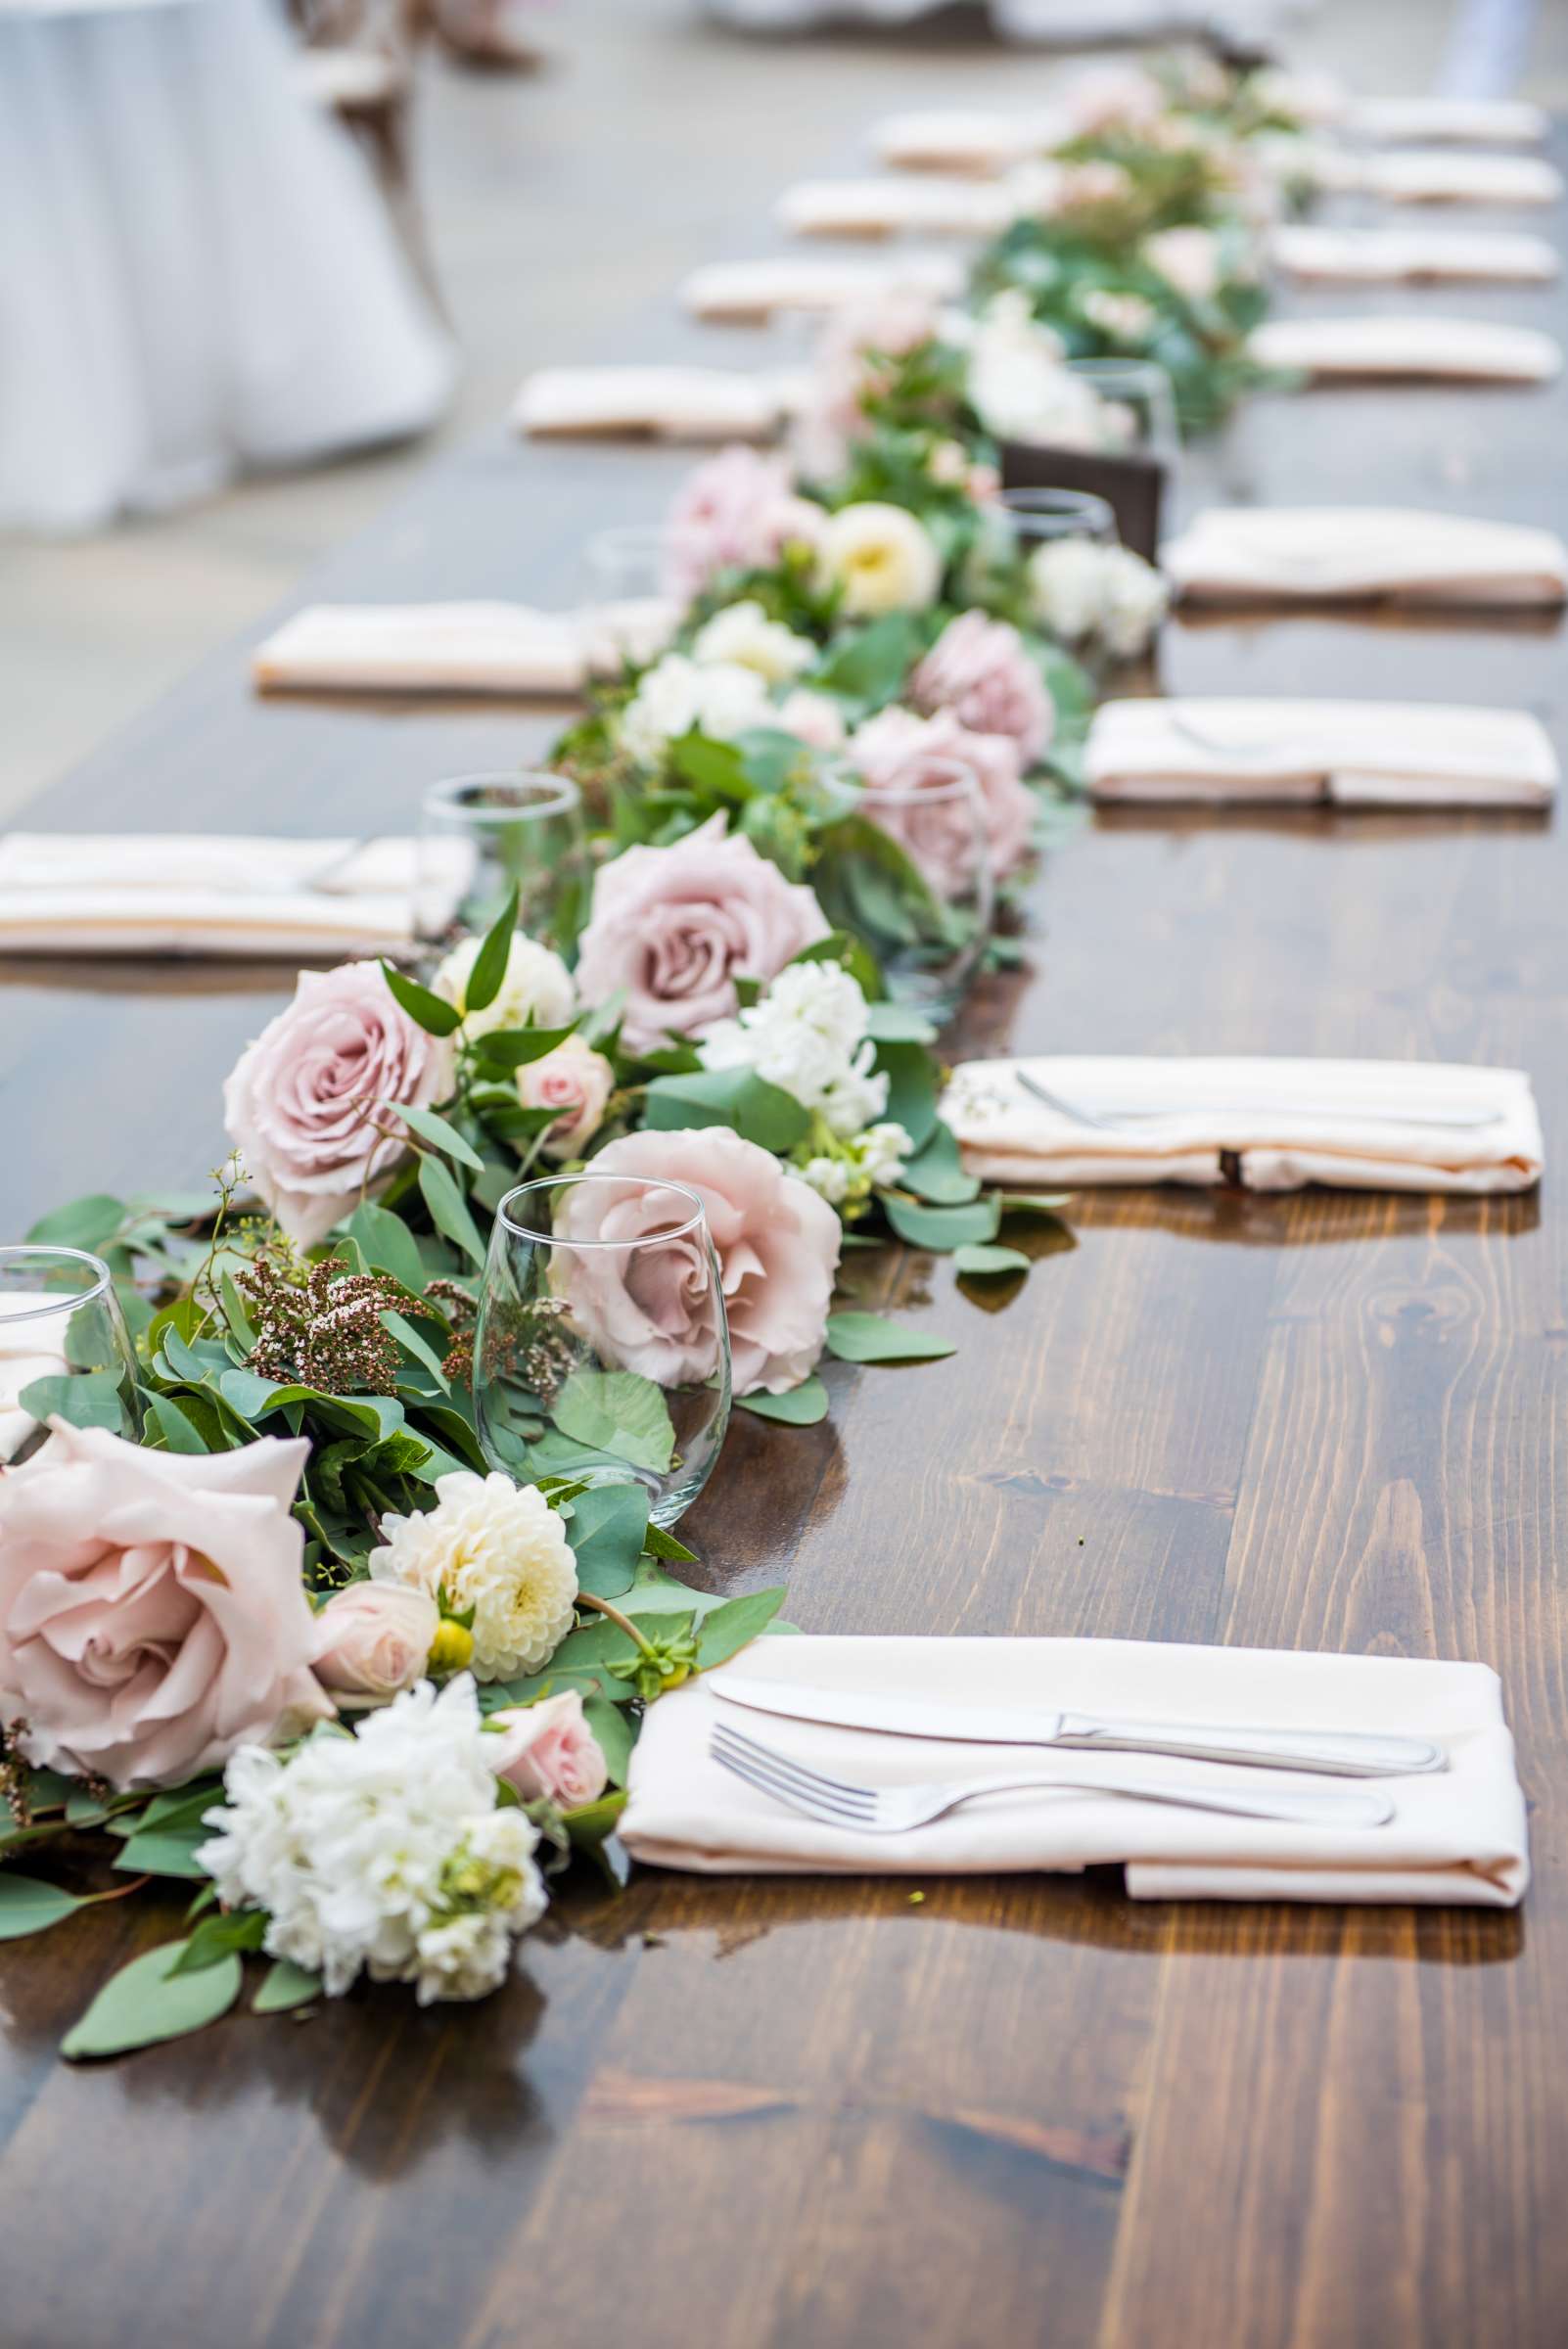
(1334, 1753)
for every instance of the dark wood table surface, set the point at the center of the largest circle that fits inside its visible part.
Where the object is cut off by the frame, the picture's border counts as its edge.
(781, 2113)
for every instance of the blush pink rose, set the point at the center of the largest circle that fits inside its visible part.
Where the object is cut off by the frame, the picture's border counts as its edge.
(846, 373)
(547, 1752)
(897, 751)
(981, 670)
(302, 1103)
(152, 1615)
(375, 1639)
(815, 718)
(777, 1245)
(574, 1081)
(676, 927)
(737, 511)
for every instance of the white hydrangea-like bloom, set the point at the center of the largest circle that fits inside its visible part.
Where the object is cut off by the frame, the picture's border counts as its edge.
(681, 696)
(742, 634)
(382, 1852)
(807, 1036)
(497, 1549)
(1019, 386)
(882, 557)
(829, 1178)
(1125, 317)
(1065, 585)
(882, 1151)
(537, 986)
(1133, 601)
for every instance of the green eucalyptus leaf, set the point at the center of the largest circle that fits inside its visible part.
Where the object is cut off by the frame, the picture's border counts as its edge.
(977, 1261)
(430, 1012)
(937, 1174)
(944, 1227)
(606, 1529)
(28, 1905)
(435, 1131)
(613, 1732)
(873, 1338)
(489, 963)
(618, 1412)
(387, 1245)
(216, 1936)
(734, 1625)
(899, 1023)
(798, 1406)
(913, 1088)
(90, 1398)
(144, 2002)
(510, 1049)
(758, 1112)
(448, 1207)
(175, 1424)
(90, 1224)
(286, 1986)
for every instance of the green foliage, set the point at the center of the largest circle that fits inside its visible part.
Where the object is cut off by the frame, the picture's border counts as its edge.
(738, 1098)
(618, 1412)
(873, 1338)
(149, 2000)
(798, 1406)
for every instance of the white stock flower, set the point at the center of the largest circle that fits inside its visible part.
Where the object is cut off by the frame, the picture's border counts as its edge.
(807, 1036)
(1125, 317)
(1132, 602)
(495, 1548)
(537, 986)
(883, 558)
(1019, 384)
(1065, 587)
(742, 634)
(829, 1178)
(679, 696)
(882, 1151)
(382, 1851)
(1081, 590)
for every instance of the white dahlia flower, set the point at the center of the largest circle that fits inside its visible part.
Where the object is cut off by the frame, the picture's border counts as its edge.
(496, 1550)
(537, 986)
(743, 634)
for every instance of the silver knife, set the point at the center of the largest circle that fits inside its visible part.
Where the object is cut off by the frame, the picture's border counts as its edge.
(1334, 1753)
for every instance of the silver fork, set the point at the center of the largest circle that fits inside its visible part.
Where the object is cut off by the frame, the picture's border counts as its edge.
(1115, 1120)
(894, 1810)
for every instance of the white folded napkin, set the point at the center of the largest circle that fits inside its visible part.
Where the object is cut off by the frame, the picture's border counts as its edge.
(1418, 175)
(1355, 1125)
(664, 403)
(1458, 1836)
(1479, 121)
(894, 208)
(1354, 753)
(963, 139)
(188, 894)
(29, 1349)
(1248, 554)
(1467, 350)
(1388, 255)
(458, 648)
(745, 291)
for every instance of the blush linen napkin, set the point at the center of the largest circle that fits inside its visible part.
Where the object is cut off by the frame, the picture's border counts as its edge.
(1459, 1835)
(1414, 175)
(894, 208)
(659, 403)
(1476, 122)
(458, 648)
(1335, 554)
(1457, 349)
(188, 894)
(750, 293)
(1278, 753)
(1388, 255)
(959, 139)
(1355, 1125)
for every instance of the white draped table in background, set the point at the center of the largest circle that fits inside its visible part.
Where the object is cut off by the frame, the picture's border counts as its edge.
(197, 273)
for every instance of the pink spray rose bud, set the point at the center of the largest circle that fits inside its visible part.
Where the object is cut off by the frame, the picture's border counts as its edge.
(547, 1752)
(376, 1639)
(578, 1081)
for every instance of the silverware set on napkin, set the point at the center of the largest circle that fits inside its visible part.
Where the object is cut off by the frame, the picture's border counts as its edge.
(896, 1810)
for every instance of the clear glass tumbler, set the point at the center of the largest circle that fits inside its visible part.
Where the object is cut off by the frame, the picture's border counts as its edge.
(60, 1319)
(601, 1349)
(924, 906)
(481, 835)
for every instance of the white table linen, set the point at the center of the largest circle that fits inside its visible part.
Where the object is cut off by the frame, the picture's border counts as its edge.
(1353, 754)
(1406, 348)
(459, 648)
(1335, 554)
(1459, 1837)
(750, 293)
(1354, 1125)
(660, 403)
(895, 207)
(1375, 256)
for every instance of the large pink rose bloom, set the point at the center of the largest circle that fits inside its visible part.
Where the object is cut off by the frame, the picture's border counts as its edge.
(981, 670)
(776, 1241)
(737, 511)
(152, 1615)
(676, 927)
(897, 751)
(301, 1105)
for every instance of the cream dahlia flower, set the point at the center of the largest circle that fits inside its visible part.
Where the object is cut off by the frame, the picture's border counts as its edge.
(537, 986)
(495, 1549)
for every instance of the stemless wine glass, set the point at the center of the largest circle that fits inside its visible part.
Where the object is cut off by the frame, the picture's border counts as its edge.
(925, 910)
(1140, 394)
(602, 1348)
(61, 1318)
(482, 835)
(1044, 517)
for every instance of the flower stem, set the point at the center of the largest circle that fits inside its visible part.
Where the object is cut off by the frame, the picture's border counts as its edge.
(586, 1598)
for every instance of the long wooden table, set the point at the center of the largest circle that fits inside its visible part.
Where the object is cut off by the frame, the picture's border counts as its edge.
(763, 2112)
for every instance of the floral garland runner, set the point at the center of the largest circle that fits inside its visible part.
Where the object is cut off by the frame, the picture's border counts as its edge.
(275, 1625)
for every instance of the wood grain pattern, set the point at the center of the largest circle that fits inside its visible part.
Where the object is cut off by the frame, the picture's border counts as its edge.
(818, 2113)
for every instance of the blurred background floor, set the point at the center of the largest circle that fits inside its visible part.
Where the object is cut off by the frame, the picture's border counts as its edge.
(552, 204)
